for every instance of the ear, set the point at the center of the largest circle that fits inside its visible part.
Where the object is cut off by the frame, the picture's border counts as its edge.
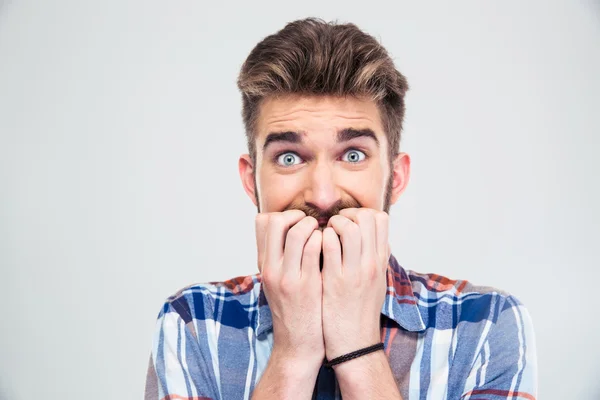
(401, 175)
(246, 170)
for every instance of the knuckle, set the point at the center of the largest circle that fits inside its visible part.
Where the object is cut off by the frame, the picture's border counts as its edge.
(261, 220)
(301, 231)
(382, 216)
(312, 221)
(295, 235)
(268, 277)
(328, 232)
(372, 272)
(294, 214)
(337, 218)
(352, 229)
(287, 286)
(382, 219)
(363, 213)
(317, 236)
(276, 220)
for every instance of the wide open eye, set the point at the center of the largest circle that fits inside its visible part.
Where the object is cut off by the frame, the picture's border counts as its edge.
(288, 159)
(353, 156)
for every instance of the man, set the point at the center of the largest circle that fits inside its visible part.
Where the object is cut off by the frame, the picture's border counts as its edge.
(331, 313)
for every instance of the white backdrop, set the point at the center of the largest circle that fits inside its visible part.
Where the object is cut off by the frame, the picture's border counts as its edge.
(120, 130)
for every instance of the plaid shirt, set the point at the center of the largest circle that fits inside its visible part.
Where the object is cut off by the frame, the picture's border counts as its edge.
(445, 339)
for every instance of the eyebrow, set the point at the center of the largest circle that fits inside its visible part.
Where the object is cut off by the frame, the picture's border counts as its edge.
(344, 135)
(348, 134)
(289, 137)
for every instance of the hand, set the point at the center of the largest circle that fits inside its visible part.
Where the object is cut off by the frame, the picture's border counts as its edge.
(354, 279)
(289, 246)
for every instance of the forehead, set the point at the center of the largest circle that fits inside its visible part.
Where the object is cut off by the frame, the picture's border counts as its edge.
(317, 114)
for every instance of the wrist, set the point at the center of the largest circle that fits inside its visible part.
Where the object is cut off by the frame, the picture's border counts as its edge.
(353, 371)
(287, 377)
(355, 354)
(337, 348)
(295, 365)
(360, 377)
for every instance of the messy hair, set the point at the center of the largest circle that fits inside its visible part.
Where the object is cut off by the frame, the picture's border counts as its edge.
(314, 57)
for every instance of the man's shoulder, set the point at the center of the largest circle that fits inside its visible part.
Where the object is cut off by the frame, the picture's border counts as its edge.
(437, 285)
(215, 299)
(473, 302)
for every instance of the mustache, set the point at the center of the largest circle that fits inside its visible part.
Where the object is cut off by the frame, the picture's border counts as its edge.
(317, 213)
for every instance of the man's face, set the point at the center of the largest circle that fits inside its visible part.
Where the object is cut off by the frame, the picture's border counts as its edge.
(320, 155)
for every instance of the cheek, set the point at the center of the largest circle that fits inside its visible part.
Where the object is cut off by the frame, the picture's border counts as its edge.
(366, 187)
(277, 191)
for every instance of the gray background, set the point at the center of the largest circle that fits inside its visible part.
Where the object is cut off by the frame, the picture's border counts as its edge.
(120, 131)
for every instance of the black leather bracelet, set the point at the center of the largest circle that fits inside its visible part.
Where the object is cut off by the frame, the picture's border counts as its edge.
(353, 355)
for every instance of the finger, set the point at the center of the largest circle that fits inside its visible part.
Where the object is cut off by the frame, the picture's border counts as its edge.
(382, 227)
(279, 224)
(349, 213)
(295, 241)
(350, 237)
(332, 252)
(260, 224)
(365, 219)
(312, 254)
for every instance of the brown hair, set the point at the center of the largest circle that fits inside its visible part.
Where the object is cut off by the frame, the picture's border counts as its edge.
(311, 56)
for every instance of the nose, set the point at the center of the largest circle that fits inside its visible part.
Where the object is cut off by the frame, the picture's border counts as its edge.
(321, 189)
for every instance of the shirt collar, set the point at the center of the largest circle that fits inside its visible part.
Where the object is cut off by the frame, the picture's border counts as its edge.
(400, 304)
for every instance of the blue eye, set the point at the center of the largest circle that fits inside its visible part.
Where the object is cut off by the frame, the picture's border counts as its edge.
(288, 159)
(354, 156)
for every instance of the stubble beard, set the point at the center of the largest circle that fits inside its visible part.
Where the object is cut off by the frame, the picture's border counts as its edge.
(334, 210)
